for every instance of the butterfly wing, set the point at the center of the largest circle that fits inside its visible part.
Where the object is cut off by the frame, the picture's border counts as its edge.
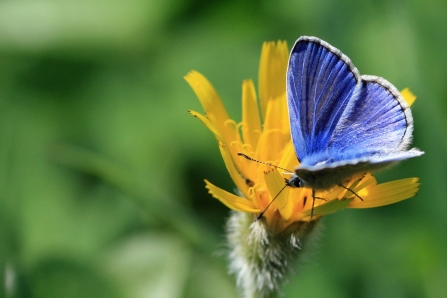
(320, 83)
(341, 123)
(377, 117)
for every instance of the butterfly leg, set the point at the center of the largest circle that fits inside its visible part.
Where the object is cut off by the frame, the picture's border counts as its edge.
(353, 192)
(313, 202)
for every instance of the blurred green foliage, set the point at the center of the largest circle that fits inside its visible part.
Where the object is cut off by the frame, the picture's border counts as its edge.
(102, 168)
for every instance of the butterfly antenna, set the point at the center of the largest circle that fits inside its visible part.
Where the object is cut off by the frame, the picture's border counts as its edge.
(263, 162)
(351, 191)
(265, 209)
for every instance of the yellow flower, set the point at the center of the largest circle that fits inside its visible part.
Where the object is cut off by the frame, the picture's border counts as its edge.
(265, 136)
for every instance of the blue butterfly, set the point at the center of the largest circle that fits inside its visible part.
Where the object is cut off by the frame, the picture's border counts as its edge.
(342, 124)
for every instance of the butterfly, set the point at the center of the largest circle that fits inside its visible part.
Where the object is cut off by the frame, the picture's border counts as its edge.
(342, 124)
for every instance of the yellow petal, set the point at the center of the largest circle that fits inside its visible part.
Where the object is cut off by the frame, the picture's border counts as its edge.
(230, 200)
(234, 172)
(272, 72)
(408, 96)
(289, 160)
(328, 208)
(251, 129)
(367, 181)
(276, 116)
(212, 104)
(299, 197)
(258, 194)
(387, 193)
(270, 146)
(207, 95)
(208, 124)
(360, 187)
(272, 140)
(285, 122)
(276, 187)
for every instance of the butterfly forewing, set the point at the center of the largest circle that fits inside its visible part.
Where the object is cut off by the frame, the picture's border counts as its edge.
(319, 86)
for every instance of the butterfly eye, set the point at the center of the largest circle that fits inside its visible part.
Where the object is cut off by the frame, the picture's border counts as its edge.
(295, 182)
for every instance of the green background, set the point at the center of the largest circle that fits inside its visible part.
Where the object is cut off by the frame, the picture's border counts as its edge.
(102, 167)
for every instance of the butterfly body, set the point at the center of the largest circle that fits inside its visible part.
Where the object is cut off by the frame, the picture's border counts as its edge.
(342, 124)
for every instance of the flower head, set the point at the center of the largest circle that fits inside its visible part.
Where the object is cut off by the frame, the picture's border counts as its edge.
(265, 135)
(262, 252)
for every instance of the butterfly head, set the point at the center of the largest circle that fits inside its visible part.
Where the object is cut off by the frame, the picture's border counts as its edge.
(295, 182)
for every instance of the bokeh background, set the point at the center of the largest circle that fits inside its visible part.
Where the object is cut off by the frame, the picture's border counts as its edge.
(102, 167)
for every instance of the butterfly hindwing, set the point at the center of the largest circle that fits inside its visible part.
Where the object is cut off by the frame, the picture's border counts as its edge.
(377, 118)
